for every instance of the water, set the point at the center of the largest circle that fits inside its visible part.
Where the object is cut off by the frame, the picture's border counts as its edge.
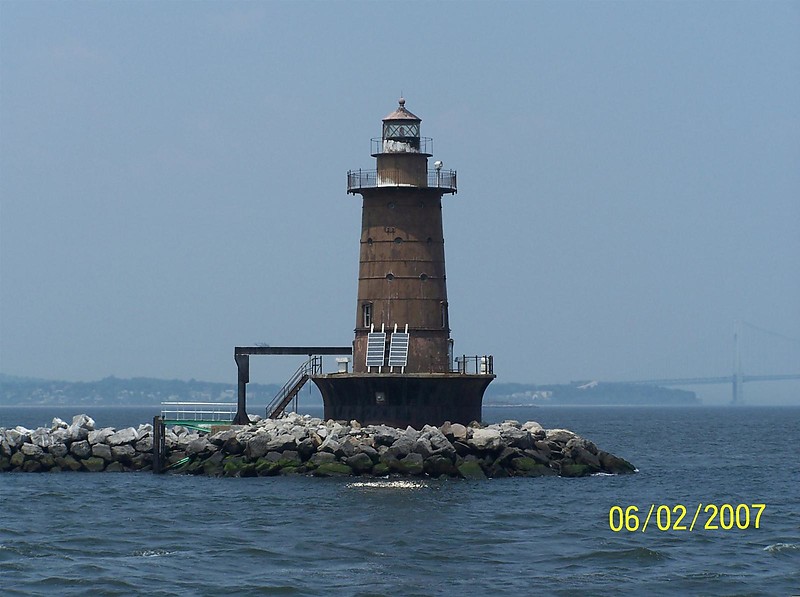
(125, 533)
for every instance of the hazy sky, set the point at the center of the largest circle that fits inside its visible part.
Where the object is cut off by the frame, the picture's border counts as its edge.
(172, 181)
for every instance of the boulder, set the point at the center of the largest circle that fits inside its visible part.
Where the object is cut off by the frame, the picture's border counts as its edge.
(347, 448)
(58, 449)
(411, 464)
(257, 446)
(329, 445)
(462, 448)
(517, 438)
(57, 424)
(422, 447)
(401, 447)
(32, 450)
(322, 458)
(102, 451)
(76, 433)
(84, 421)
(360, 463)
(560, 436)
(485, 439)
(533, 428)
(458, 431)
(123, 436)
(528, 467)
(576, 470)
(123, 453)
(614, 464)
(332, 469)
(471, 469)
(81, 449)
(380, 470)
(232, 446)
(581, 455)
(60, 435)
(508, 454)
(41, 437)
(220, 437)
(235, 466)
(99, 436)
(369, 451)
(439, 441)
(141, 461)
(539, 456)
(93, 464)
(145, 444)
(266, 468)
(439, 465)
(68, 462)
(32, 466)
(14, 438)
(17, 459)
(212, 466)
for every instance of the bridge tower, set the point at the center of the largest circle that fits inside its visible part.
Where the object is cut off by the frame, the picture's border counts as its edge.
(404, 372)
(738, 375)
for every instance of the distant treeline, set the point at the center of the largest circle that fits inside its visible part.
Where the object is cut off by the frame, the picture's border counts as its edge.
(113, 391)
(587, 393)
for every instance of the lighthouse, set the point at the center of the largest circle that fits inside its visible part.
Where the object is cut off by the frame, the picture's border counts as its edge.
(404, 371)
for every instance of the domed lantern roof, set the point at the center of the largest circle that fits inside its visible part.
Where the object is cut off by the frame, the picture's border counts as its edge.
(401, 126)
(401, 113)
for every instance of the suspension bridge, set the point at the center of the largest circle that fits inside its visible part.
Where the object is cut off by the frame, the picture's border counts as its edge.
(737, 378)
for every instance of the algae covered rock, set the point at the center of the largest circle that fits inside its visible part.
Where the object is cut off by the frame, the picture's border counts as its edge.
(471, 469)
(576, 470)
(93, 464)
(332, 469)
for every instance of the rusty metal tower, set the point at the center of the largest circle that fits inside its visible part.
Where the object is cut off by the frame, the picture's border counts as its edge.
(404, 371)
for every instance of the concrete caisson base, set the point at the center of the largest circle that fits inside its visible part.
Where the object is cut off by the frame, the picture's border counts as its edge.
(401, 400)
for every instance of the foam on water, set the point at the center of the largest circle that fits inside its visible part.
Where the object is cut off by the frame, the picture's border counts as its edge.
(782, 547)
(389, 484)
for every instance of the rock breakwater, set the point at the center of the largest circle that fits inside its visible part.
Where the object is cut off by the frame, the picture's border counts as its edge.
(299, 444)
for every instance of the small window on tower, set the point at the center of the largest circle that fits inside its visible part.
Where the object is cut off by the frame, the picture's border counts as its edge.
(366, 311)
(445, 316)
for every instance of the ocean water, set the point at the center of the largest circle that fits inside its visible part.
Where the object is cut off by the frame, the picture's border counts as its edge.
(127, 533)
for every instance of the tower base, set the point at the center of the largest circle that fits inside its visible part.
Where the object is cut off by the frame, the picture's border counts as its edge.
(401, 400)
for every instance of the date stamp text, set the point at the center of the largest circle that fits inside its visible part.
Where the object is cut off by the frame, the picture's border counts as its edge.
(707, 517)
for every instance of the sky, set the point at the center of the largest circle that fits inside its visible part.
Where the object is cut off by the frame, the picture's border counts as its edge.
(173, 182)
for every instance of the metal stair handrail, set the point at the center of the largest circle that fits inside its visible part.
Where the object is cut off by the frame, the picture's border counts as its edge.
(313, 366)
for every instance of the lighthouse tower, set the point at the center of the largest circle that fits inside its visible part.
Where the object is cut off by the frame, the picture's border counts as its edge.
(404, 371)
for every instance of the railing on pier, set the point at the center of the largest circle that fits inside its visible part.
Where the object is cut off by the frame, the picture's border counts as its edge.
(198, 415)
(474, 365)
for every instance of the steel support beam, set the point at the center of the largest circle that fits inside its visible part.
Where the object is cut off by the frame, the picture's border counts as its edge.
(302, 350)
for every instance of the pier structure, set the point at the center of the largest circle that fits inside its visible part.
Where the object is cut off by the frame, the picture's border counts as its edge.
(404, 370)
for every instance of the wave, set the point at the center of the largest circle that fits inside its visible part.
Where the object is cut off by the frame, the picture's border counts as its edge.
(782, 547)
(641, 554)
(152, 553)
